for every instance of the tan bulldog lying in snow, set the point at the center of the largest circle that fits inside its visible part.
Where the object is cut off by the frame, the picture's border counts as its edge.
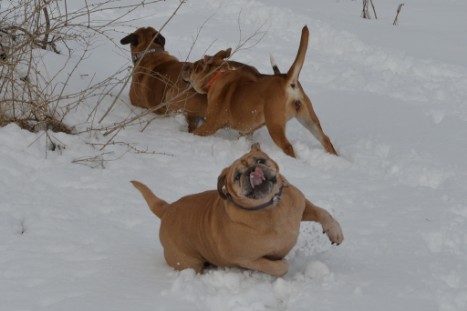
(251, 221)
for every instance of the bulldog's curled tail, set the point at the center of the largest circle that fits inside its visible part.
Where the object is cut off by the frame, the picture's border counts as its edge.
(157, 206)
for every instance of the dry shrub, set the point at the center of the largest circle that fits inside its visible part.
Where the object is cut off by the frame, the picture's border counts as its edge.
(36, 97)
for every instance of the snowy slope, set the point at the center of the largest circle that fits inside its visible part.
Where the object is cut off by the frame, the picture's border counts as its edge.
(393, 100)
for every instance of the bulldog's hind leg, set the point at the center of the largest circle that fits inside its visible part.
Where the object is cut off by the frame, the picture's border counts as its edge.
(272, 267)
(181, 261)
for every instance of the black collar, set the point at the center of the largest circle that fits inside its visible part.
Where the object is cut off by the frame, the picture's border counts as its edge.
(137, 56)
(274, 199)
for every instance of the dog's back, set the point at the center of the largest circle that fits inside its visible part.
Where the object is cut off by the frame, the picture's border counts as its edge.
(157, 80)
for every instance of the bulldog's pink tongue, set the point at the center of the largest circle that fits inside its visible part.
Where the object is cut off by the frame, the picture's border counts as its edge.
(257, 177)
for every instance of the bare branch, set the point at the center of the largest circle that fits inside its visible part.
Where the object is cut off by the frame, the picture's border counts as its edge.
(374, 10)
(399, 8)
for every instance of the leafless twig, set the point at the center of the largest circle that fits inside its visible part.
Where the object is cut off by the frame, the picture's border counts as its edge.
(374, 10)
(365, 10)
(399, 8)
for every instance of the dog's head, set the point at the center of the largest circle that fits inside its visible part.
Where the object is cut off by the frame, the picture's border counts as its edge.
(199, 73)
(143, 38)
(252, 180)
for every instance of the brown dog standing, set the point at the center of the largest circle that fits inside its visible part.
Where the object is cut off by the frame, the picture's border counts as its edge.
(156, 78)
(245, 102)
(251, 221)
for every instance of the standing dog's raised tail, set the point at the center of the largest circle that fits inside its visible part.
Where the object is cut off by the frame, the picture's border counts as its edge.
(294, 71)
(157, 206)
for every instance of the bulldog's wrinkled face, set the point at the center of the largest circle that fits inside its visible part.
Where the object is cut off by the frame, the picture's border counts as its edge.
(199, 73)
(142, 38)
(251, 180)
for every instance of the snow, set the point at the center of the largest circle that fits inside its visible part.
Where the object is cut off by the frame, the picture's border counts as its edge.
(393, 100)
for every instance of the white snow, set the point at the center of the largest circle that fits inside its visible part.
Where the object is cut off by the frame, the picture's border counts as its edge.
(393, 100)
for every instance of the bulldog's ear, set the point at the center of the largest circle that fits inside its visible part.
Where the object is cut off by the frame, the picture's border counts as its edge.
(255, 147)
(221, 181)
(131, 38)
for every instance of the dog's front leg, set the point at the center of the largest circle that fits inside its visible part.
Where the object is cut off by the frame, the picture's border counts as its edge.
(192, 122)
(272, 267)
(210, 126)
(330, 226)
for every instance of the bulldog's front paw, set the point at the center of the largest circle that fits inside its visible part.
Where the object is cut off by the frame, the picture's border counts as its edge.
(333, 231)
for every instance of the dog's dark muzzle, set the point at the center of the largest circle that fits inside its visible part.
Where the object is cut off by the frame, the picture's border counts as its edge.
(258, 182)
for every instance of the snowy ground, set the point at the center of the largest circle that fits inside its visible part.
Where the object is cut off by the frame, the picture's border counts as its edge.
(393, 100)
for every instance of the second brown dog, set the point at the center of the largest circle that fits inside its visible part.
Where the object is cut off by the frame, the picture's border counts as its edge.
(245, 102)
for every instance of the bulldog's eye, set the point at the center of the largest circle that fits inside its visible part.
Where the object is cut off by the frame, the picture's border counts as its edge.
(237, 176)
(260, 161)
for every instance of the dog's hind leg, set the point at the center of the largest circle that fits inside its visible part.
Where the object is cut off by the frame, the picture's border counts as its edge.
(272, 267)
(181, 261)
(308, 118)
